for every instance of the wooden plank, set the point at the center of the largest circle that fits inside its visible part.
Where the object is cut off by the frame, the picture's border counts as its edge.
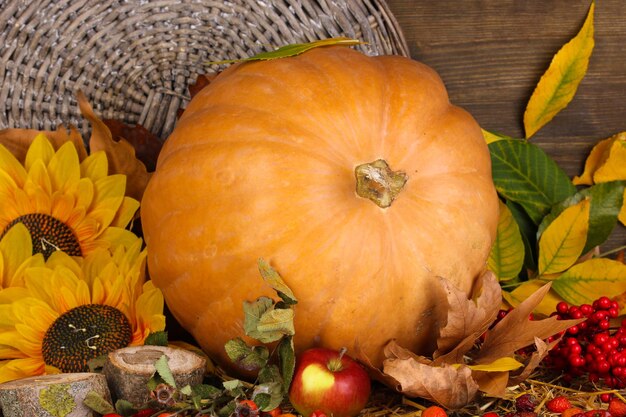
(491, 54)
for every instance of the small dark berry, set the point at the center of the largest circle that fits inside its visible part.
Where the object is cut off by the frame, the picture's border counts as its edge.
(525, 402)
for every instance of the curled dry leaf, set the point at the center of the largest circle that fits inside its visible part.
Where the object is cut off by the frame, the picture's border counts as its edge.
(17, 141)
(121, 154)
(462, 366)
(147, 145)
(452, 387)
(466, 317)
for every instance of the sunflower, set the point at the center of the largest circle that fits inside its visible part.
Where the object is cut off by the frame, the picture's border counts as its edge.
(74, 309)
(16, 255)
(65, 204)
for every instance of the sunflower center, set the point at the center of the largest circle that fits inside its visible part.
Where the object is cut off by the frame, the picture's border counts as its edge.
(48, 234)
(83, 333)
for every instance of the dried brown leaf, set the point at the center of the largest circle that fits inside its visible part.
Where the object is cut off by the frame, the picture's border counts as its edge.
(450, 386)
(541, 351)
(121, 155)
(516, 331)
(395, 351)
(467, 317)
(492, 384)
(17, 141)
(201, 81)
(147, 145)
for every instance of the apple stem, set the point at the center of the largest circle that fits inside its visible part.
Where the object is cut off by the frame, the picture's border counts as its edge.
(335, 364)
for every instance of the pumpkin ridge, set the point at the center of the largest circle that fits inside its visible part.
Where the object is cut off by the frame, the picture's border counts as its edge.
(304, 147)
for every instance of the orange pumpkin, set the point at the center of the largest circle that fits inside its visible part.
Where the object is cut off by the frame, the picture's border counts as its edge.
(352, 175)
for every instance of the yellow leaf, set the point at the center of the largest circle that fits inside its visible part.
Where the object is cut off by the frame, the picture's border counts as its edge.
(589, 280)
(614, 167)
(557, 86)
(491, 137)
(507, 253)
(563, 241)
(499, 365)
(596, 158)
(522, 292)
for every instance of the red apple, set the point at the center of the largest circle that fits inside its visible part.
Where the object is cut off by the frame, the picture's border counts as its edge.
(329, 381)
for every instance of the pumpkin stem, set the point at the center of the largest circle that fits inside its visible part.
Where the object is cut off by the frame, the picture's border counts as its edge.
(378, 183)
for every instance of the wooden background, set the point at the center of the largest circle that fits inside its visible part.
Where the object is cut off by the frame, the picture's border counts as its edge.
(491, 54)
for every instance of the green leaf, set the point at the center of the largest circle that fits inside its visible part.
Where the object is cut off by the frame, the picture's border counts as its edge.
(507, 252)
(253, 312)
(528, 230)
(276, 282)
(562, 243)
(522, 172)
(606, 201)
(206, 391)
(246, 357)
(589, 280)
(559, 83)
(98, 403)
(293, 50)
(268, 395)
(235, 388)
(287, 360)
(163, 369)
(275, 324)
(156, 339)
(57, 400)
(266, 324)
(124, 407)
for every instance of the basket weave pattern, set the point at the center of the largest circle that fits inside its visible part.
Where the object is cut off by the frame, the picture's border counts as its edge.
(134, 59)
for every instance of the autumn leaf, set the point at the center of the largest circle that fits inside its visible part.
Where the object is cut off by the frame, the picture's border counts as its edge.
(587, 281)
(494, 137)
(147, 145)
(452, 387)
(563, 241)
(17, 141)
(120, 155)
(507, 252)
(614, 166)
(559, 83)
(467, 319)
(516, 330)
(499, 365)
(541, 351)
(526, 289)
(598, 155)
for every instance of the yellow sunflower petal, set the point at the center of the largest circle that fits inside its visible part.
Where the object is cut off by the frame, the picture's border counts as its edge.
(11, 166)
(15, 249)
(64, 167)
(95, 166)
(85, 193)
(38, 178)
(9, 295)
(62, 206)
(39, 150)
(21, 368)
(126, 212)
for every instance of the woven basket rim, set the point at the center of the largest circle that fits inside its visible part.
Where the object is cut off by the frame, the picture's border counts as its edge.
(134, 59)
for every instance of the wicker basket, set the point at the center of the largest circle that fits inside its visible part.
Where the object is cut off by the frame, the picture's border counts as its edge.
(134, 59)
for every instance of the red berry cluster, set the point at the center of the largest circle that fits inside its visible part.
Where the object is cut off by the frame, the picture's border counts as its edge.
(592, 347)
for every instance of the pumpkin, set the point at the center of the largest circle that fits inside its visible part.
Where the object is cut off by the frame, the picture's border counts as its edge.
(353, 176)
